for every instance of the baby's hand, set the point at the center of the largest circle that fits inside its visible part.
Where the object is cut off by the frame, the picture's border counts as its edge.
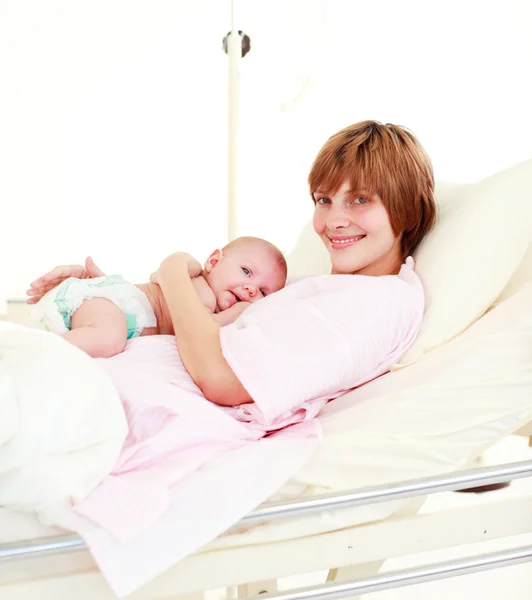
(228, 316)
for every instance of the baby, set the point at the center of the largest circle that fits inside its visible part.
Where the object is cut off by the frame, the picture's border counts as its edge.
(99, 315)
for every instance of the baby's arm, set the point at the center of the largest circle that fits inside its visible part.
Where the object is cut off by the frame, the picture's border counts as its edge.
(227, 316)
(208, 298)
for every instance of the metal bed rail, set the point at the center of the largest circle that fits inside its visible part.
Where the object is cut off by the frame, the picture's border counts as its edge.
(325, 502)
(412, 576)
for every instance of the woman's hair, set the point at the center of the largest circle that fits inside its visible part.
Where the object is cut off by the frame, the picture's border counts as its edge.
(386, 160)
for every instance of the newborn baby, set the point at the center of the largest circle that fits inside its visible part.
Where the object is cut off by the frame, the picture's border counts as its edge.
(99, 315)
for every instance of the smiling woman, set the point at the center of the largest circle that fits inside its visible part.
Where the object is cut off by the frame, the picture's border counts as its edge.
(372, 185)
(357, 227)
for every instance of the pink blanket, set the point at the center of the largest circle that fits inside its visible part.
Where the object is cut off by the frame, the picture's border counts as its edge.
(190, 469)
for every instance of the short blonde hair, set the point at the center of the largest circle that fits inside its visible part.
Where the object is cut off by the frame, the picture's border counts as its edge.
(386, 160)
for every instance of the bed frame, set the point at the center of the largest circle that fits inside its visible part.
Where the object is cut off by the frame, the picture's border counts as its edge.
(32, 569)
(352, 556)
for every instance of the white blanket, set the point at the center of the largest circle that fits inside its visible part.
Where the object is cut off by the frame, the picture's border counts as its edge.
(61, 422)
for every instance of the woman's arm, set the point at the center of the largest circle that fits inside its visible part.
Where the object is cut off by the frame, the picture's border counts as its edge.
(46, 282)
(198, 335)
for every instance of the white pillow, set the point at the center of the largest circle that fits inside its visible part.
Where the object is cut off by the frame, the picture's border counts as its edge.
(522, 276)
(309, 255)
(481, 236)
(62, 425)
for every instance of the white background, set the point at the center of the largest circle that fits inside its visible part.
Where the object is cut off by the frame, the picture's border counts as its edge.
(113, 114)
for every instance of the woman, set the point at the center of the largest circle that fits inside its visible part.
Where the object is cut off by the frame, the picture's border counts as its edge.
(372, 187)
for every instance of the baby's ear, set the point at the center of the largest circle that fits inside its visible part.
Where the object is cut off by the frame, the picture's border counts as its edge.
(214, 258)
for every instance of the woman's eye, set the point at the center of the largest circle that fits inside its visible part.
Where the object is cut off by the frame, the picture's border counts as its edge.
(246, 271)
(323, 201)
(360, 200)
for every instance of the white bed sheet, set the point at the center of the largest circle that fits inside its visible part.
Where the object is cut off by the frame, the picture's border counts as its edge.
(429, 418)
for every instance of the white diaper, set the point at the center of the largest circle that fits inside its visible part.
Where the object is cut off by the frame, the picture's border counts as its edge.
(54, 311)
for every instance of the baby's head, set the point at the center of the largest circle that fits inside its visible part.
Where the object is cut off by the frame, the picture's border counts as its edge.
(247, 269)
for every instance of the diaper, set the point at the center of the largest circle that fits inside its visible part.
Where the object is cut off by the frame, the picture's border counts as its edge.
(54, 311)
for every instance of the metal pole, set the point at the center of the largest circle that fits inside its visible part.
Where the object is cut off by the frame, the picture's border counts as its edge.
(336, 501)
(234, 52)
(38, 546)
(415, 575)
(398, 491)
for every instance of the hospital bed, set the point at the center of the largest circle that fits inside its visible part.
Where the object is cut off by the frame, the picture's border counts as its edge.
(465, 385)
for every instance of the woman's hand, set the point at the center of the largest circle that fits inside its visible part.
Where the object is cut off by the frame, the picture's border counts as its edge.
(193, 266)
(46, 282)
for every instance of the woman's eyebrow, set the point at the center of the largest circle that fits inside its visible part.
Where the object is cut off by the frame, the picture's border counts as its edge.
(358, 192)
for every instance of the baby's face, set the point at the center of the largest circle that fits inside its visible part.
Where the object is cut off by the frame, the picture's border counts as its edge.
(245, 274)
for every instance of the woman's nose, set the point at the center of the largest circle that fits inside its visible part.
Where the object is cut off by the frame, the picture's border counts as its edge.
(337, 218)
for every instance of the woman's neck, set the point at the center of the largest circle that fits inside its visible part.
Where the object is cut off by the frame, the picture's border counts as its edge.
(389, 264)
(379, 268)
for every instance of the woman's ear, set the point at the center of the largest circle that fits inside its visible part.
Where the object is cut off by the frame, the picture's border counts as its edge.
(214, 258)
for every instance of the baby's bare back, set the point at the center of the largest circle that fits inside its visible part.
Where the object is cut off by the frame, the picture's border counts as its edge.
(160, 308)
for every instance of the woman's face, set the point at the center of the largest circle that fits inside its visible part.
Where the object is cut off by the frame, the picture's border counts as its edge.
(357, 233)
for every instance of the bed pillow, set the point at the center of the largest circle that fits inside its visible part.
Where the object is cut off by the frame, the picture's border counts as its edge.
(309, 255)
(482, 234)
(519, 279)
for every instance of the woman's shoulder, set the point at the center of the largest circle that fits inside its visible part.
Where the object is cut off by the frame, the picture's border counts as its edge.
(400, 297)
(407, 273)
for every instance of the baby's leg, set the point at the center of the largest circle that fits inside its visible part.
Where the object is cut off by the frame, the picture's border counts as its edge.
(99, 328)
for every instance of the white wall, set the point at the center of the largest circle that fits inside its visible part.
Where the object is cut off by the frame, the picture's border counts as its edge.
(113, 114)
(113, 136)
(457, 73)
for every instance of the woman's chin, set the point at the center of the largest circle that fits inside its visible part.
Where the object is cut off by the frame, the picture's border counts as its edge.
(345, 265)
